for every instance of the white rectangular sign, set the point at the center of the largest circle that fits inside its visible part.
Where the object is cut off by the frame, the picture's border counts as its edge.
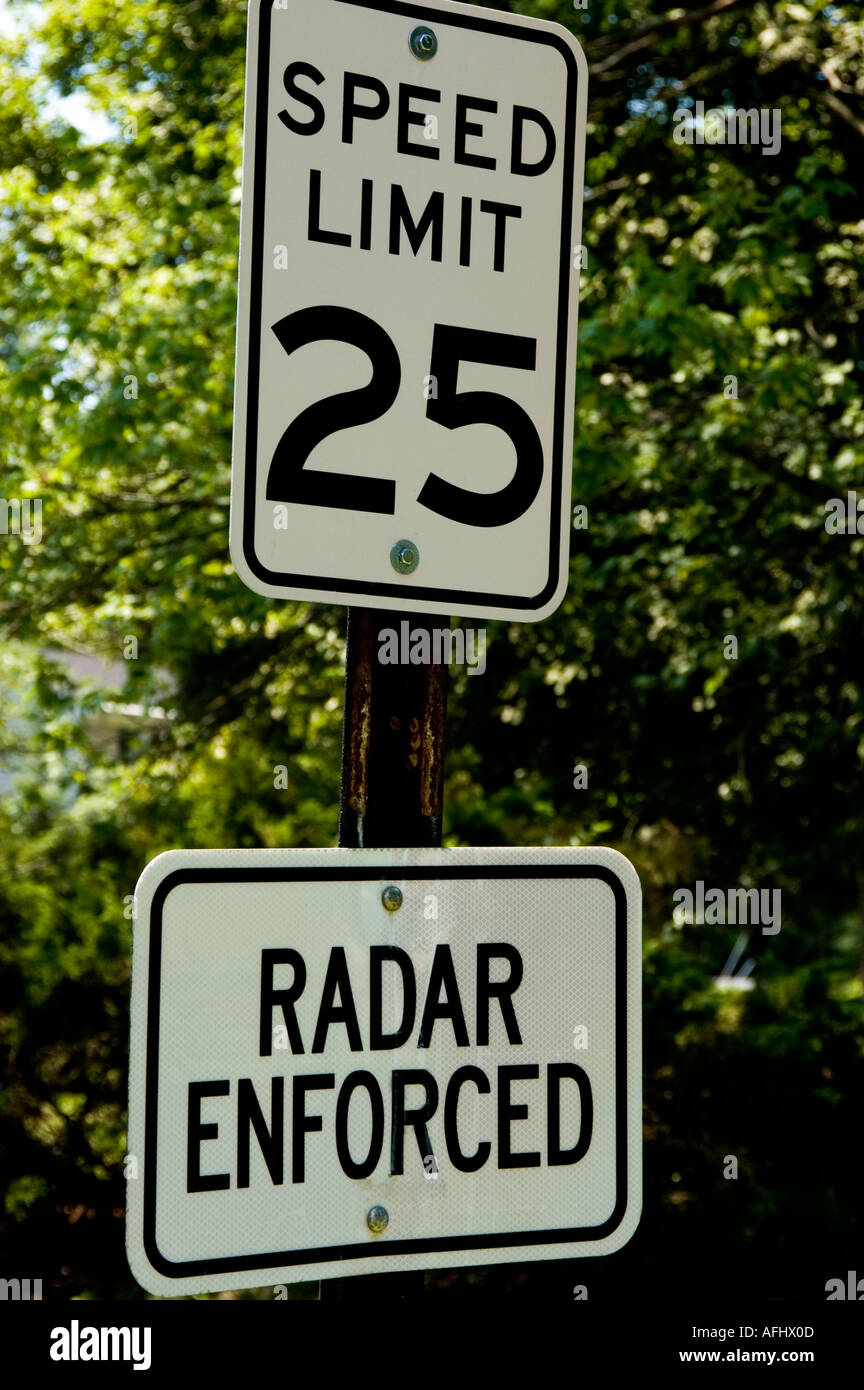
(408, 288)
(358, 1061)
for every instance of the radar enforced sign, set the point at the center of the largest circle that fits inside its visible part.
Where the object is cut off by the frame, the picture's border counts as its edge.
(412, 190)
(351, 1062)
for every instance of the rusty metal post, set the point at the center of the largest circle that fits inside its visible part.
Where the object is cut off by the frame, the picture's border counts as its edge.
(393, 739)
(392, 793)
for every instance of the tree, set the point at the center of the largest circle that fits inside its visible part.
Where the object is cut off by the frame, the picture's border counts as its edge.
(718, 412)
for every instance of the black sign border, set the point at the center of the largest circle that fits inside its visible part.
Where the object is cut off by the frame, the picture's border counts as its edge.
(184, 1269)
(478, 600)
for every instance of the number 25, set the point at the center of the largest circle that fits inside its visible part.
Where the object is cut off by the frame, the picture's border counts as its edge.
(289, 480)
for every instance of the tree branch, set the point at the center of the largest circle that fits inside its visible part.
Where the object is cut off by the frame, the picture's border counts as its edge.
(647, 36)
(842, 109)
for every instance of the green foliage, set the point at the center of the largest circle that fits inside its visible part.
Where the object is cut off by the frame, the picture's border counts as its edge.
(117, 304)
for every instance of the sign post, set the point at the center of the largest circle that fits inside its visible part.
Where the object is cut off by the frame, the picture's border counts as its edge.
(393, 740)
(391, 793)
(390, 1057)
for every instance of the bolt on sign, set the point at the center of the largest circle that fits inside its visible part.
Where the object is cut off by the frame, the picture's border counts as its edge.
(406, 343)
(357, 1061)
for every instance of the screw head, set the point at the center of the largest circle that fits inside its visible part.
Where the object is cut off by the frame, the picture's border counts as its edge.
(377, 1219)
(404, 557)
(423, 42)
(392, 898)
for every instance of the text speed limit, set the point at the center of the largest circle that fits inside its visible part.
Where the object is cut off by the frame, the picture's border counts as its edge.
(407, 314)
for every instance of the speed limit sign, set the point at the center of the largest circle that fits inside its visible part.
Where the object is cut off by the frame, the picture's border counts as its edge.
(409, 260)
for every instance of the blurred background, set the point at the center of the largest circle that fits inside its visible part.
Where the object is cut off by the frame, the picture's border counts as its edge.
(146, 696)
